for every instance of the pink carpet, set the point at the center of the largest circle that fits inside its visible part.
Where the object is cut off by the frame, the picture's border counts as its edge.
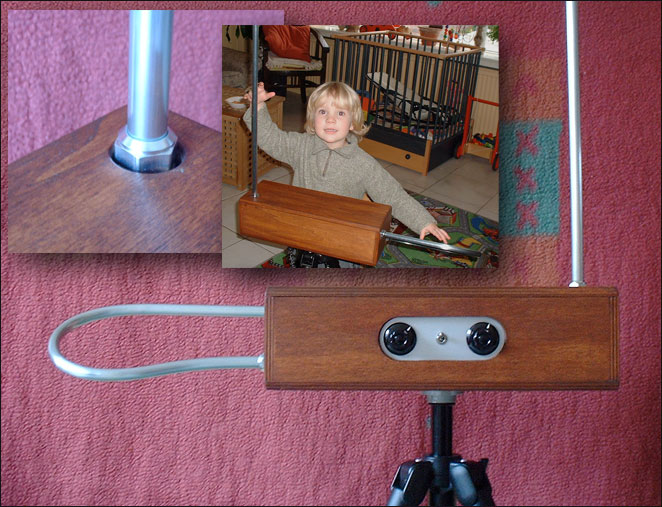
(220, 438)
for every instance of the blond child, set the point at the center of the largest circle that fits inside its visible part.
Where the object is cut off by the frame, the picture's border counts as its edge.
(327, 156)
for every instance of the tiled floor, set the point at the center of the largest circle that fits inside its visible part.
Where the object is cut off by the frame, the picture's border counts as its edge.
(468, 183)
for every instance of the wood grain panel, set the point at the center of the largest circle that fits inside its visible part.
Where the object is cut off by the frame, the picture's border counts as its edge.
(69, 197)
(330, 224)
(557, 338)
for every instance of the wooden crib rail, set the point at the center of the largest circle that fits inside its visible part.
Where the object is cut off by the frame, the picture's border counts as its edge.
(360, 38)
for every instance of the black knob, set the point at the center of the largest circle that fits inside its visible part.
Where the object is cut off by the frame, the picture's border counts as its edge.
(483, 338)
(400, 338)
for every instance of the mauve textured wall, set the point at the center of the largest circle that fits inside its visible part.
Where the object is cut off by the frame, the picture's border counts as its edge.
(217, 438)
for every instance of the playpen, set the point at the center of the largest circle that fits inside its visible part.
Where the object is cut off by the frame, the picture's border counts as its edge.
(414, 93)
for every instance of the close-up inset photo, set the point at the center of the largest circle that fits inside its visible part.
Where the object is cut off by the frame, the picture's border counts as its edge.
(377, 146)
(114, 131)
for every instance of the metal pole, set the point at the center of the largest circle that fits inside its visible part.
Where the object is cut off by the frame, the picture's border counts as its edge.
(146, 144)
(441, 405)
(574, 128)
(441, 492)
(410, 240)
(149, 73)
(256, 30)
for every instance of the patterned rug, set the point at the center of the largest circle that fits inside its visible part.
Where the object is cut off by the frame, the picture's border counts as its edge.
(466, 230)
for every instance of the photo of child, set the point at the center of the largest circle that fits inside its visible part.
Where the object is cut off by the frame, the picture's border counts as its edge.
(327, 156)
(326, 144)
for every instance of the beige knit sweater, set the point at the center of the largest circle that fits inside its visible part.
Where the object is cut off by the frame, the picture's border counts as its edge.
(347, 171)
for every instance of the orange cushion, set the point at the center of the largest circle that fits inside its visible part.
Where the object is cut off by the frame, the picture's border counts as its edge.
(288, 41)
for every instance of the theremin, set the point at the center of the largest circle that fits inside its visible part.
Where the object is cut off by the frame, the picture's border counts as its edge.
(372, 338)
(429, 339)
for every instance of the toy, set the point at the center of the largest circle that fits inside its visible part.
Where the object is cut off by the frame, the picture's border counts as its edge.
(367, 104)
(484, 140)
(488, 141)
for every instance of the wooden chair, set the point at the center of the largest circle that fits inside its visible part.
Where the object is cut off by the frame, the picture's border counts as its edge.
(278, 76)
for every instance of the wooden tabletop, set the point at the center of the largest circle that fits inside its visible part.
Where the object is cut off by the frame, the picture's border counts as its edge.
(69, 197)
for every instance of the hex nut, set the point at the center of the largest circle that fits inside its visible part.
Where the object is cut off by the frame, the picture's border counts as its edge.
(152, 156)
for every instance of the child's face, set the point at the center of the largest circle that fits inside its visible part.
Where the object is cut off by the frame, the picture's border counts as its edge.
(332, 124)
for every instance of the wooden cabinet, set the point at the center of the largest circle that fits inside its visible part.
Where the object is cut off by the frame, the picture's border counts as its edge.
(329, 224)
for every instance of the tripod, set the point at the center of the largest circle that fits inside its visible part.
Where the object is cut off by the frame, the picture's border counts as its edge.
(444, 475)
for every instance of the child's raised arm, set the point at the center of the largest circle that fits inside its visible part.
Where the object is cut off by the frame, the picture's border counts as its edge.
(262, 95)
(279, 144)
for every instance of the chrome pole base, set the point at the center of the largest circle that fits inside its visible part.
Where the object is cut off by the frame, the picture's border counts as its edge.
(441, 396)
(153, 156)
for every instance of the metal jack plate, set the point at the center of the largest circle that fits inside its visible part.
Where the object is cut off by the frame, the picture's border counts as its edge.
(442, 338)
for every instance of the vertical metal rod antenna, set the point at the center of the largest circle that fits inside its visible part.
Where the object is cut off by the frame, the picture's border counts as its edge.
(574, 128)
(256, 30)
(146, 144)
(150, 43)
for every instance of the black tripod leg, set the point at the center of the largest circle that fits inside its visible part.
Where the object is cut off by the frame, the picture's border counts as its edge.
(411, 483)
(470, 482)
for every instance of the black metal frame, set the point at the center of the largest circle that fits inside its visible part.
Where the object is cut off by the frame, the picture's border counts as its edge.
(436, 78)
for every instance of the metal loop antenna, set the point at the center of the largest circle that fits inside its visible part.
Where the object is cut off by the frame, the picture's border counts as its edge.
(154, 370)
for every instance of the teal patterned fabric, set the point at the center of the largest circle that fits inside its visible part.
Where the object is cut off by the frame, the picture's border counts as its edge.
(529, 179)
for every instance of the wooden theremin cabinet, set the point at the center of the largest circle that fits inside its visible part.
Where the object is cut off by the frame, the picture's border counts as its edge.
(300, 218)
(328, 338)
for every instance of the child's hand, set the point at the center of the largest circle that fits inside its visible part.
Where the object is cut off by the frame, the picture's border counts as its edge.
(438, 233)
(262, 95)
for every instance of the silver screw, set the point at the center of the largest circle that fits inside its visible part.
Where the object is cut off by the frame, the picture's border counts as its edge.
(442, 338)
